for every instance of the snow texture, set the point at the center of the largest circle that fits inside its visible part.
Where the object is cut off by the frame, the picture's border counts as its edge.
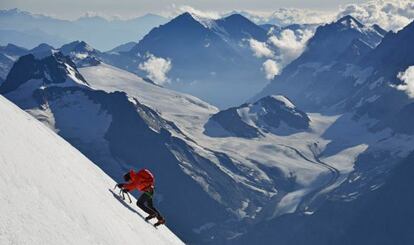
(52, 194)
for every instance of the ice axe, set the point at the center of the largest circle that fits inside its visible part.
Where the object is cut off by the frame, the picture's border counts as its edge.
(122, 193)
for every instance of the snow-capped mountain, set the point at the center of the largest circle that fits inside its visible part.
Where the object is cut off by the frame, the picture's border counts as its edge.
(280, 174)
(366, 86)
(30, 73)
(265, 115)
(81, 53)
(292, 176)
(69, 198)
(28, 30)
(380, 96)
(325, 73)
(209, 58)
(338, 36)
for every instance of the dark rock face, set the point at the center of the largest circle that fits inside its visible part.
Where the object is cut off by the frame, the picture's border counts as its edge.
(394, 54)
(231, 121)
(331, 40)
(238, 27)
(52, 69)
(279, 109)
(82, 53)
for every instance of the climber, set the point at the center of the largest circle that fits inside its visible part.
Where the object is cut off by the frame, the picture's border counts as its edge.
(143, 180)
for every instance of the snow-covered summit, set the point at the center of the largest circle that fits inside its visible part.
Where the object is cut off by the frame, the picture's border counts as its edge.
(76, 46)
(265, 115)
(350, 22)
(55, 195)
(81, 53)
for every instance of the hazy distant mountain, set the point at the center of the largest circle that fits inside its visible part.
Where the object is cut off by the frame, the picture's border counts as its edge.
(209, 58)
(126, 47)
(29, 30)
(8, 55)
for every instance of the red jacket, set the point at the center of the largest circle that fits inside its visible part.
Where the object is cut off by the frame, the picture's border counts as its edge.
(143, 180)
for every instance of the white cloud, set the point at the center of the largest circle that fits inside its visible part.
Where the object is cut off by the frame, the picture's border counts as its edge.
(156, 68)
(408, 78)
(271, 68)
(287, 16)
(199, 13)
(260, 49)
(390, 15)
(290, 44)
(280, 50)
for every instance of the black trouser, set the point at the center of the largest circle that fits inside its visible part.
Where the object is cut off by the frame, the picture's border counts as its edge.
(145, 203)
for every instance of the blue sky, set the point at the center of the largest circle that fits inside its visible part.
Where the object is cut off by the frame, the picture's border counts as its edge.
(70, 9)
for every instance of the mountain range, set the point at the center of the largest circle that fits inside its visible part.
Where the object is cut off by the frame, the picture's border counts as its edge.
(29, 30)
(326, 138)
(209, 58)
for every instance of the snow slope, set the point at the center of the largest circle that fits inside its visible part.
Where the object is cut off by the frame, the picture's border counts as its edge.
(52, 194)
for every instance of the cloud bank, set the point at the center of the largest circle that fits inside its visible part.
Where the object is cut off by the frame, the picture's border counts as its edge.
(260, 49)
(287, 16)
(390, 15)
(408, 78)
(156, 68)
(280, 50)
(290, 44)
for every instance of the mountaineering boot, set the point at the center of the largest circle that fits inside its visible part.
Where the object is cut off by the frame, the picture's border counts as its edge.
(151, 216)
(161, 221)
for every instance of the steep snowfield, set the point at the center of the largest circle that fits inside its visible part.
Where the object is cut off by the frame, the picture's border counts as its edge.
(52, 194)
(174, 106)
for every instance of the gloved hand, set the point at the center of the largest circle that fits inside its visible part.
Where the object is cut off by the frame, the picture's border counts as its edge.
(120, 186)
